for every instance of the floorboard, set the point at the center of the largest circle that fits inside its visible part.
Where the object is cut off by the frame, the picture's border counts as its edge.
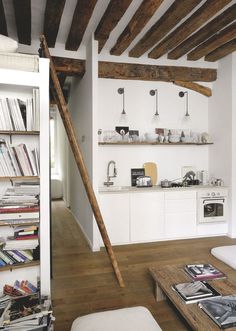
(84, 282)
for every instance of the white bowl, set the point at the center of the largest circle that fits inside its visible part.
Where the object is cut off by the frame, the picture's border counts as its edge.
(174, 138)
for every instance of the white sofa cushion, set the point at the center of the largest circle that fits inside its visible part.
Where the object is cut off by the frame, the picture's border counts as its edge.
(7, 44)
(226, 254)
(125, 319)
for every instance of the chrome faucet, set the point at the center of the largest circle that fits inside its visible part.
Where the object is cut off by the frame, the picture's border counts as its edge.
(108, 182)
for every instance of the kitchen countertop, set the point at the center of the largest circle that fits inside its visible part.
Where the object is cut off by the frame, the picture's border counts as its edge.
(155, 188)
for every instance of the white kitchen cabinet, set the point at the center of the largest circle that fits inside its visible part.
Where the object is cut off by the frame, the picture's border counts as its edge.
(180, 214)
(115, 211)
(146, 216)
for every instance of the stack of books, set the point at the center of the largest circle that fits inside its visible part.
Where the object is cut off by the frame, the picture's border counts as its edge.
(221, 310)
(20, 115)
(20, 288)
(203, 271)
(18, 160)
(16, 255)
(27, 313)
(20, 202)
(195, 291)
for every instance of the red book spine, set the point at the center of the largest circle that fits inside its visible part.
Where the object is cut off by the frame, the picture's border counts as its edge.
(35, 236)
(19, 210)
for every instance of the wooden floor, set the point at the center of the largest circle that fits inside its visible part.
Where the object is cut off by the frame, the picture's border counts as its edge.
(83, 281)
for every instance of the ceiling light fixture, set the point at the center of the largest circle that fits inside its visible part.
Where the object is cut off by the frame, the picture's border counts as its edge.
(152, 93)
(181, 94)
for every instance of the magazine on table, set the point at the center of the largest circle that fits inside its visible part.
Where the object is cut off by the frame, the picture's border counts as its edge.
(195, 291)
(203, 271)
(221, 310)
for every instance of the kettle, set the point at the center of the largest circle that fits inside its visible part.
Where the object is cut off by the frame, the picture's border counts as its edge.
(143, 181)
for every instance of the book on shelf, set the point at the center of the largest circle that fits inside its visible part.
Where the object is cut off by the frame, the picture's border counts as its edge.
(14, 244)
(18, 209)
(192, 292)
(20, 115)
(203, 271)
(17, 160)
(221, 310)
(19, 221)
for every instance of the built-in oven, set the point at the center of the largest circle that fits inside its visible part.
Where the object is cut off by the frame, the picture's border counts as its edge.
(212, 205)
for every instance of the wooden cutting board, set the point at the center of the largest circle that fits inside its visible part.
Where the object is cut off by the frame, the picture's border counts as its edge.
(151, 170)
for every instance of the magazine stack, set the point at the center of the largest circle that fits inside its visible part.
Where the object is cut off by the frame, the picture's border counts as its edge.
(195, 291)
(221, 310)
(203, 272)
(25, 313)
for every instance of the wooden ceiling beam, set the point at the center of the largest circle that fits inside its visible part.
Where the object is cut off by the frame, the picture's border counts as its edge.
(69, 67)
(130, 71)
(22, 11)
(218, 23)
(76, 67)
(143, 14)
(222, 51)
(114, 12)
(195, 87)
(52, 19)
(174, 14)
(213, 43)
(3, 24)
(199, 17)
(82, 14)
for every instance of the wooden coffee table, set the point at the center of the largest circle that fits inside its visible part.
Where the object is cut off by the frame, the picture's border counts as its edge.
(165, 277)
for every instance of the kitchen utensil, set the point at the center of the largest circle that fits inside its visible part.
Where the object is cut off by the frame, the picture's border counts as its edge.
(135, 173)
(150, 169)
(165, 183)
(144, 181)
(218, 182)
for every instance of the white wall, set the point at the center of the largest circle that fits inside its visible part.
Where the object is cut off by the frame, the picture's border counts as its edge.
(140, 108)
(81, 106)
(222, 127)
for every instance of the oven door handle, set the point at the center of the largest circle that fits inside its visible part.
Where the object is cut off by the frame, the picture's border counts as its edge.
(213, 200)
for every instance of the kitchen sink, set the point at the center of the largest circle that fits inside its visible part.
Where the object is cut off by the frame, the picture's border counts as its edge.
(113, 188)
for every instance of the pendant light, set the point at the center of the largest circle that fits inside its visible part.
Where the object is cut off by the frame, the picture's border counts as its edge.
(182, 94)
(152, 93)
(121, 90)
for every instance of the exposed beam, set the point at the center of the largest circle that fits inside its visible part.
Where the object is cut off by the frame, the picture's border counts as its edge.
(175, 13)
(3, 24)
(136, 24)
(199, 17)
(222, 51)
(76, 67)
(52, 19)
(22, 9)
(70, 67)
(115, 10)
(195, 87)
(214, 42)
(154, 73)
(218, 23)
(82, 14)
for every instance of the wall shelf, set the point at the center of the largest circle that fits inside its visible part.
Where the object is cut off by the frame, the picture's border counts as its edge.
(124, 143)
(27, 133)
(18, 178)
(20, 265)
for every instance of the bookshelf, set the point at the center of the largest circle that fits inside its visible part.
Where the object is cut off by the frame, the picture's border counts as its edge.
(22, 85)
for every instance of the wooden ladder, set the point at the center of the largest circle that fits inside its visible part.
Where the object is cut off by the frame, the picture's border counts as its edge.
(66, 118)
